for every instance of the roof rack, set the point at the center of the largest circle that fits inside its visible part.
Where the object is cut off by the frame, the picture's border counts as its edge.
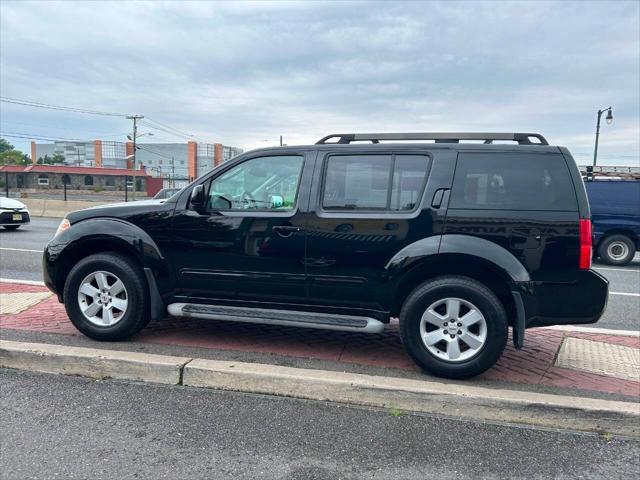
(442, 137)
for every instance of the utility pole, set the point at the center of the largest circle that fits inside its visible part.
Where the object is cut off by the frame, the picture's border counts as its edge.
(135, 119)
(280, 140)
(173, 172)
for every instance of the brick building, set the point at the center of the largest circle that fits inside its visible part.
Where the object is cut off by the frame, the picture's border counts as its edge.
(53, 177)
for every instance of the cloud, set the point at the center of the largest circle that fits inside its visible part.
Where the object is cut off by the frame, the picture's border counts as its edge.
(242, 73)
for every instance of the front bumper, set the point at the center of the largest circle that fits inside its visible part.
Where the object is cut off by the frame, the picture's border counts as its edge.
(580, 301)
(11, 217)
(49, 272)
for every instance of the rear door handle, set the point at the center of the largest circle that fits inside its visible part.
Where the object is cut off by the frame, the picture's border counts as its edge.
(437, 197)
(286, 230)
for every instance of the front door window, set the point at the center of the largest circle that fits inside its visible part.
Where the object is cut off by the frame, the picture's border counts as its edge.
(264, 183)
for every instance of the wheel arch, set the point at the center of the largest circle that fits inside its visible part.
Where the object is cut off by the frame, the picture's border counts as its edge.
(464, 255)
(104, 235)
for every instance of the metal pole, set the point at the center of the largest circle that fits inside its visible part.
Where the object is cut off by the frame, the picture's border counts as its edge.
(6, 183)
(280, 140)
(126, 178)
(135, 119)
(173, 172)
(64, 182)
(595, 150)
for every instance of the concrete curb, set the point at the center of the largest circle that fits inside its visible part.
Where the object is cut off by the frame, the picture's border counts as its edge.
(427, 396)
(92, 362)
(46, 207)
(277, 380)
(22, 282)
(597, 330)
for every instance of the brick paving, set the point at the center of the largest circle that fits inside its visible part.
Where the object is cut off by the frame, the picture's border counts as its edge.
(533, 365)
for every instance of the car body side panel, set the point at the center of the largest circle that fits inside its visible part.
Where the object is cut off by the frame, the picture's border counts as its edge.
(347, 251)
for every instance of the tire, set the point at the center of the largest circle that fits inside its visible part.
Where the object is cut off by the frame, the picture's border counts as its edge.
(11, 227)
(123, 323)
(617, 250)
(470, 295)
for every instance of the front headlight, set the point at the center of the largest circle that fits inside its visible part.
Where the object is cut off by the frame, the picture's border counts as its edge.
(64, 225)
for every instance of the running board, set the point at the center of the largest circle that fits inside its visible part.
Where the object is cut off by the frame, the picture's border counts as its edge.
(287, 318)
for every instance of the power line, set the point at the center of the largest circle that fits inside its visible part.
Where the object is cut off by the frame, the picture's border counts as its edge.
(92, 132)
(40, 137)
(29, 103)
(149, 122)
(153, 151)
(170, 130)
(169, 127)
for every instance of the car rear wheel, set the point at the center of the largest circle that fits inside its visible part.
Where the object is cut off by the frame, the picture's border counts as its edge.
(617, 250)
(104, 296)
(453, 327)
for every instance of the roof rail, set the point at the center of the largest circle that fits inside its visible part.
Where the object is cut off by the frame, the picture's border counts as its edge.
(441, 137)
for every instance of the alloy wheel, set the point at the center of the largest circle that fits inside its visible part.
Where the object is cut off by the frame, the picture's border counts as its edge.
(102, 298)
(453, 329)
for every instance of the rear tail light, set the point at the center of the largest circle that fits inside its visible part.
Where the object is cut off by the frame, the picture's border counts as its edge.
(586, 245)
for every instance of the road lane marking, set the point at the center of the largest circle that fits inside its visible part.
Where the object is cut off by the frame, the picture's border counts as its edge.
(20, 250)
(617, 269)
(626, 294)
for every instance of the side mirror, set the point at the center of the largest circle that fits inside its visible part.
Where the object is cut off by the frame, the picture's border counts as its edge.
(197, 197)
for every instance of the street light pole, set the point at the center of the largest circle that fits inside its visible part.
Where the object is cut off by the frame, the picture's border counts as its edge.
(609, 119)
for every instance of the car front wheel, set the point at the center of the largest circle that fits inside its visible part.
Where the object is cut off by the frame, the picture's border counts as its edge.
(454, 327)
(104, 296)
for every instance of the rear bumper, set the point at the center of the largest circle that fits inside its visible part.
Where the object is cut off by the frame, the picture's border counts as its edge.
(554, 303)
(7, 218)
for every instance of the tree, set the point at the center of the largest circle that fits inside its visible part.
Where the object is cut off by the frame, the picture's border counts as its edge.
(57, 158)
(5, 146)
(10, 156)
(14, 157)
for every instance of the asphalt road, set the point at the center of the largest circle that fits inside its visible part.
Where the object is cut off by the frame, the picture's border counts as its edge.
(20, 258)
(69, 427)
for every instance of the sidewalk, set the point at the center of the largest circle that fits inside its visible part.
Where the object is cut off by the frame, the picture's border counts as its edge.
(608, 364)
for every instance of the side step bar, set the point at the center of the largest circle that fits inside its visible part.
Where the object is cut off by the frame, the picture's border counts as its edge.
(288, 318)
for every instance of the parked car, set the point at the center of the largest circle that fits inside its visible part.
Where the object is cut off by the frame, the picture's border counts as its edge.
(615, 213)
(459, 240)
(166, 193)
(13, 213)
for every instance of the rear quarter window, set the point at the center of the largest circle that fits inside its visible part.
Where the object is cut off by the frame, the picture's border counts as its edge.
(512, 181)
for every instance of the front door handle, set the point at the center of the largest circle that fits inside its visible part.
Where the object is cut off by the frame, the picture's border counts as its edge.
(286, 230)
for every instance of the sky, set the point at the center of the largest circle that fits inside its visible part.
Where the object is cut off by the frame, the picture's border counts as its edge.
(243, 74)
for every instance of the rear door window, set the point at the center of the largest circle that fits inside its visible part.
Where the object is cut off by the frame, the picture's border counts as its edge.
(374, 182)
(512, 181)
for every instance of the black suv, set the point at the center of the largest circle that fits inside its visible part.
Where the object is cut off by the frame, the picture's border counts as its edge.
(458, 234)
